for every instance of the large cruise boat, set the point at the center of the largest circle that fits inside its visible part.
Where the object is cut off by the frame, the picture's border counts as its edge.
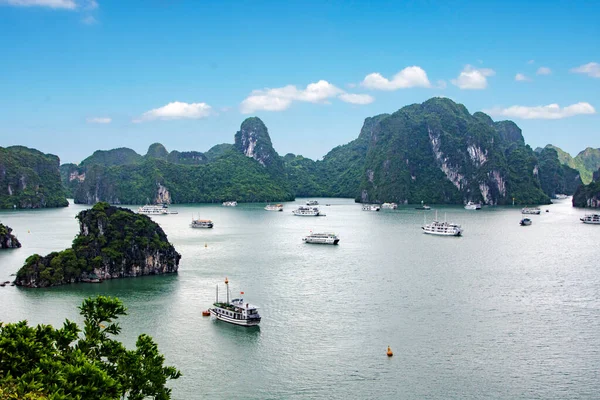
(390, 206)
(312, 203)
(370, 207)
(593, 219)
(274, 207)
(472, 206)
(531, 210)
(153, 210)
(230, 203)
(322, 238)
(308, 212)
(201, 223)
(236, 311)
(442, 228)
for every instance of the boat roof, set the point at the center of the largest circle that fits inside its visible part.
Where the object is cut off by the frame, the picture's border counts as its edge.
(202, 220)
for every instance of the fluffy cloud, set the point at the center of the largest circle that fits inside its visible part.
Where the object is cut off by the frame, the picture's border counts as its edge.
(521, 77)
(409, 77)
(473, 78)
(356, 98)
(177, 110)
(99, 120)
(279, 99)
(544, 71)
(590, 69)
(65, 4)
(551, 111)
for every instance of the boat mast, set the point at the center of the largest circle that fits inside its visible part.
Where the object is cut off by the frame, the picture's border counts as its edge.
(227, 286)
(217, 294)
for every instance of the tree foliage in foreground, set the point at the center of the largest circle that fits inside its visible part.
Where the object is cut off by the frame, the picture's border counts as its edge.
(72, 363)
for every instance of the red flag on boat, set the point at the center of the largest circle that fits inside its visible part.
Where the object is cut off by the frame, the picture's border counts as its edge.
(241, 292)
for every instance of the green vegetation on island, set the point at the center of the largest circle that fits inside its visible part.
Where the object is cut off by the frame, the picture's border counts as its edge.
(7, 239)
(586, 162)
(29, 179)
(112, 243)
(588, 195)
(73, 362)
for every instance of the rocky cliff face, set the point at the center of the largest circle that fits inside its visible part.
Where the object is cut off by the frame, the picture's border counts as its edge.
(29, 179)
(253, 141)
(588, 195)
(7, 239)
(112, 243)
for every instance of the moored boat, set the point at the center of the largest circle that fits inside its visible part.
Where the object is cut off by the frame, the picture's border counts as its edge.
(308, 212)
(274, 207)
(442, 228)
(472, 206)
(230, 203)
(153, 210)
(312, 203)
(593, 219)
(531, 210)
(389, 206)
(236, 311)
(370, 207)
(201, 223)
(322, 238)
(525, 222)
(423, 207)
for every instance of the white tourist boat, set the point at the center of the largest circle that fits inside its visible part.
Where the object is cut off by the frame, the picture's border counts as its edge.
(370, 207)
(201, 223)
(561, 196)
(153, 210)
(308, 212)
(531, 210)
(442, 228)
(312, 203)
(593, 219)
(230, 203)
(389, 206)
(526, 222)
(472, 206)
(423, 206)
(322, 238)
(236, 311)
(274, 207)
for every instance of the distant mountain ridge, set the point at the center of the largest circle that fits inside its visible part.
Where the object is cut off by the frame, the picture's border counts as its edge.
(586, 162)
(435, 152)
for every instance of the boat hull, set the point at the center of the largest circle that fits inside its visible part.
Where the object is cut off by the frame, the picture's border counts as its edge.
(239, 322)
(313, 241)
(442, 233)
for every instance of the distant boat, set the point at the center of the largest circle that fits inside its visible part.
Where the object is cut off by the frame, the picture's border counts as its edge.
(531, 210)
(423, 207)
(561, 196)
(230, 203)
(322, 238)
(274, 207)
(201, 223)
(308, 212)
(593, 219)
(312, 203)
(442, 228)
(370, 207)
(153, 210)
(525, 222)
(390, 206)
(472, 206)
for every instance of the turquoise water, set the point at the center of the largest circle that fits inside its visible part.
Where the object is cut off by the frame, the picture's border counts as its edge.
(505, 312)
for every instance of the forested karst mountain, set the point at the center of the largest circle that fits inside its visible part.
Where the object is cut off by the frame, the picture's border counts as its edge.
(435, 152)
(29, 179)
(586, 162)
(588, 195)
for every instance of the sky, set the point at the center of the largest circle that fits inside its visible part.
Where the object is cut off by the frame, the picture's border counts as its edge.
(81, 75)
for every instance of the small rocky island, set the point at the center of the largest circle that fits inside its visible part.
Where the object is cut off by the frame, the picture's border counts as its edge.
(7, 239)
(112, 243)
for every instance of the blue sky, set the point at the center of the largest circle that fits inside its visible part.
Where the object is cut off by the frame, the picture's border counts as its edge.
(81, 75)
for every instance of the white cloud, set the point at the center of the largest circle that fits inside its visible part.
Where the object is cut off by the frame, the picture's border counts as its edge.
(407, 78)
(544, 71)
(521, 77)
(473, 78)
(590, 69)
(279, 99)
(99, 120)
(89, 20)
(64, 4)
(530, 62)
(177, 110)
(551, 111)
(356, 98)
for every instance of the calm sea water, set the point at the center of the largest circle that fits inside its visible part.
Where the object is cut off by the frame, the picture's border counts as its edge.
(505, 312)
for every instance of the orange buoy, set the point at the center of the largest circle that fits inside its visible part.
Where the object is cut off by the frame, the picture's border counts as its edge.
(206, 313)
(389, 352)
